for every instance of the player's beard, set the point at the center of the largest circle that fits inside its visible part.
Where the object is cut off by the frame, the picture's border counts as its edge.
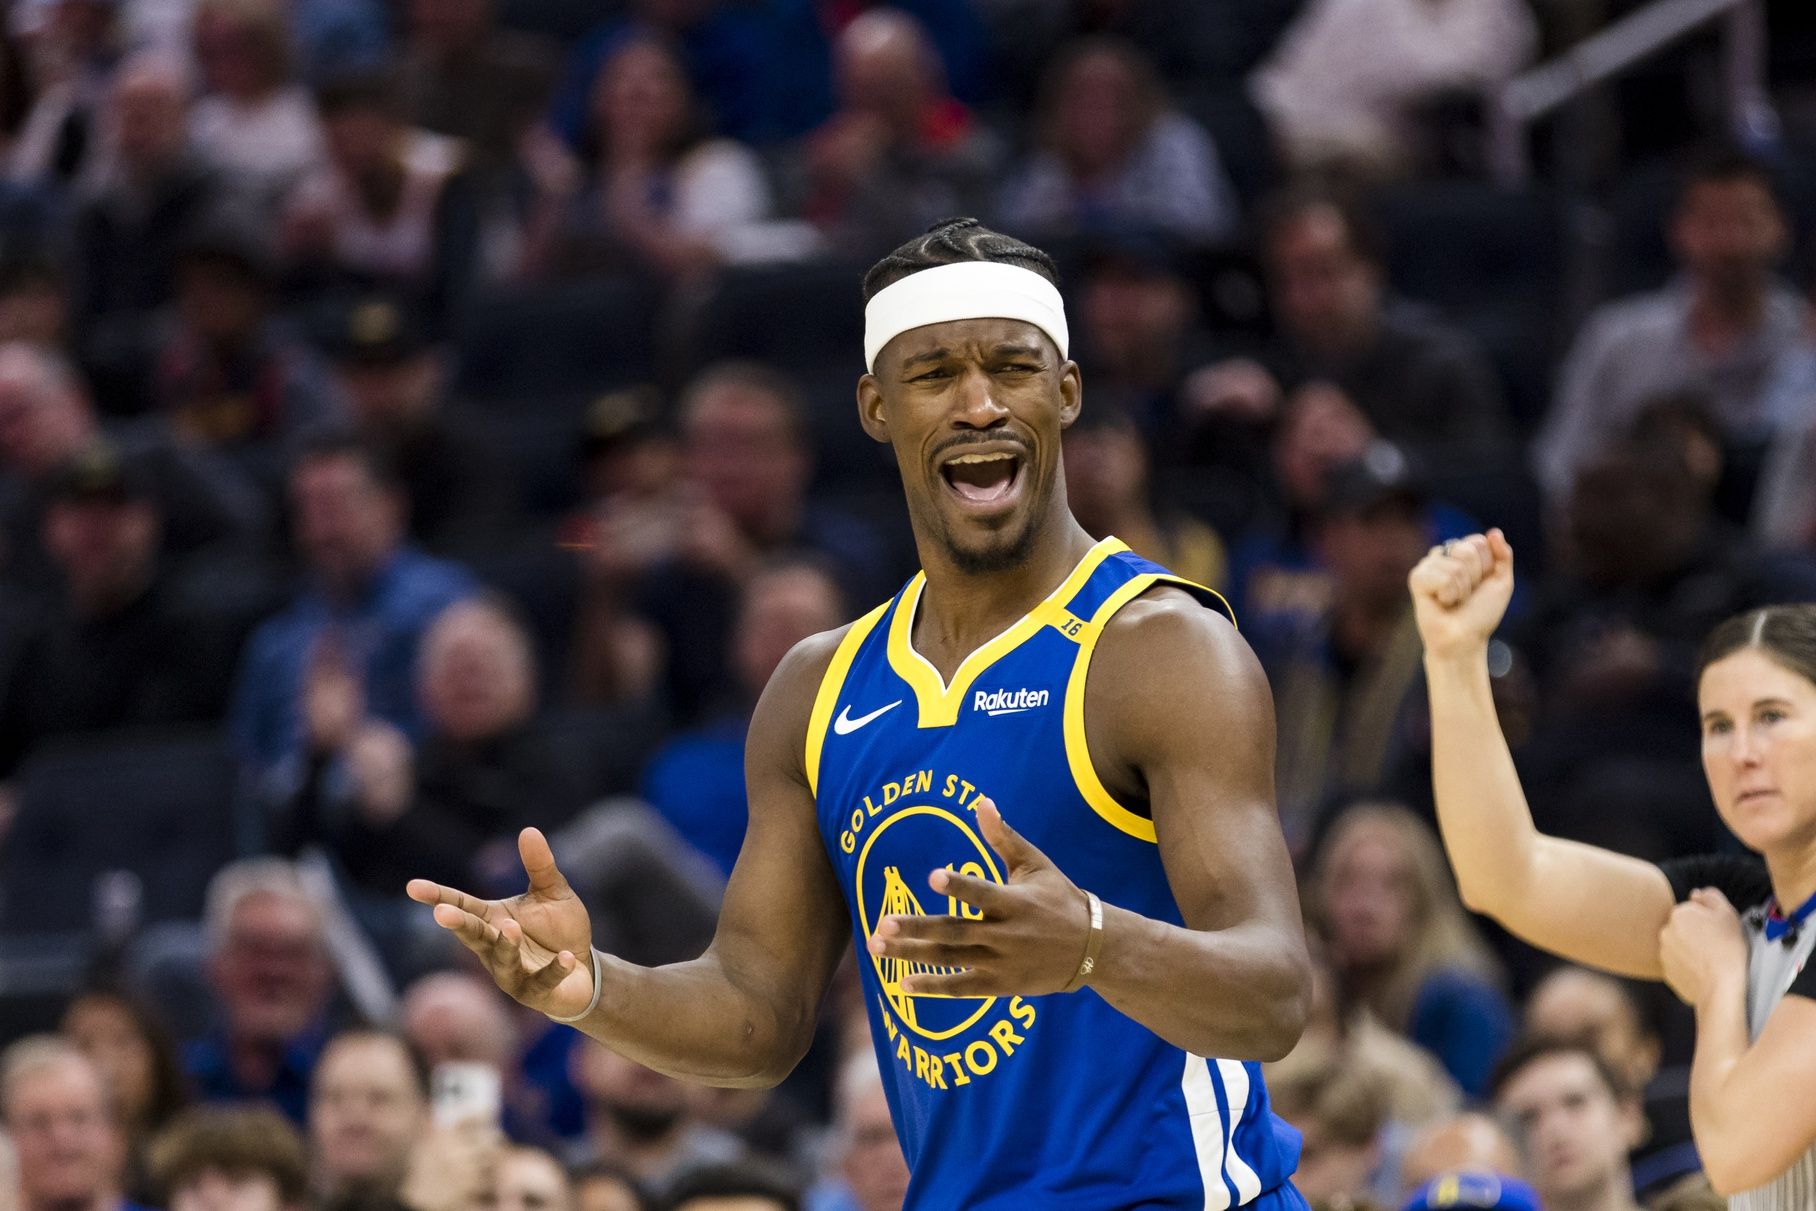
(1008, 546)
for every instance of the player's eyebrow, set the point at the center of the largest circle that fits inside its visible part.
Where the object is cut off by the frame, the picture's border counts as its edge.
(931, 355)
(1028, 351)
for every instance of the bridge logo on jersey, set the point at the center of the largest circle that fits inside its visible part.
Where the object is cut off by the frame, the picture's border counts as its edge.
(891, 877)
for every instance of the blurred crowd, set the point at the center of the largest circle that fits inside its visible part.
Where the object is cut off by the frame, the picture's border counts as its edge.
(424, 418)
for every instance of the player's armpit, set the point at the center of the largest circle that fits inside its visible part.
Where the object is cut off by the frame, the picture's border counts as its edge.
(1178, 705)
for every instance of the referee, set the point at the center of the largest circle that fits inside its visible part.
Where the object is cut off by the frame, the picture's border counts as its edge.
(1731, 935)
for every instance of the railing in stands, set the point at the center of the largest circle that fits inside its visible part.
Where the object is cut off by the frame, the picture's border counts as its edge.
(1541, 90)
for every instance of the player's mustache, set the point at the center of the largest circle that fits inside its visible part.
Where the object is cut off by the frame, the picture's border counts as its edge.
(960, 443)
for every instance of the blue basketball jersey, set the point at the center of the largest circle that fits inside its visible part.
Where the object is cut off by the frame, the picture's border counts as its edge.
(1054, 1101)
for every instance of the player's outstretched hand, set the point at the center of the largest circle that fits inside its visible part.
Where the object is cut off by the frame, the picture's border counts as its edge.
(538, 946)
(1460, 591)
(1027, 941)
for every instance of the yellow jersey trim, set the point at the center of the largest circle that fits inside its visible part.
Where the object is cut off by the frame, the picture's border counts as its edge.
(1078, 751)
(828, 696)
(940, 703)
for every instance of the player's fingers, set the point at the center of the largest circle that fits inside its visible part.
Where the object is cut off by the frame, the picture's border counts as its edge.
(1019, 852)
(425, 892)
(931, 928)
(930, 954)
(474, 933)
(548, 977)
(974, 982)
(539, 863)
(993, 898)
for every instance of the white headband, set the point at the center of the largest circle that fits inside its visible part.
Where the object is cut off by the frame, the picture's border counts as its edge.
(970, 290)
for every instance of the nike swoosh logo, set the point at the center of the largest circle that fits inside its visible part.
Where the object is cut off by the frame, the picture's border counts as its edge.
(844, 725)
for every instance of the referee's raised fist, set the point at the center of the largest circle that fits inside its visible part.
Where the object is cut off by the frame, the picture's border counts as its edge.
(1460, 591)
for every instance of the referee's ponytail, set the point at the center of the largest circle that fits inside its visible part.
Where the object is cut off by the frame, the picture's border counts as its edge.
(1786, 633)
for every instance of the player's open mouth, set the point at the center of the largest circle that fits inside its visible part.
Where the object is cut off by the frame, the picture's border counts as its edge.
(983, 478)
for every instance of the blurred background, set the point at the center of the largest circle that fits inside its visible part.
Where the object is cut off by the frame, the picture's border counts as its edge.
(423, 418)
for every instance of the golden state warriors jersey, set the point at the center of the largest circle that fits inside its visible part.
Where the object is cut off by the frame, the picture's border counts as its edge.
(1056, 1101)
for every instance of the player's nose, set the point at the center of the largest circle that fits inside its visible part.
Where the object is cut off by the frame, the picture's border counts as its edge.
(974, 401)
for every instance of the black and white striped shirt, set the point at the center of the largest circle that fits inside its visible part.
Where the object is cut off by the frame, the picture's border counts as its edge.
(1775, 970)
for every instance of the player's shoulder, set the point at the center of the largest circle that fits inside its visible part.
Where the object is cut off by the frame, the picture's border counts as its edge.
(778, 726)
(806, 663)
(1168, 634)
(1168, 617)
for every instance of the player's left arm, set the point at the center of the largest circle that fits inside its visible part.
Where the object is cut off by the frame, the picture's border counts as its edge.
(1177, 712)
(1750, 1108)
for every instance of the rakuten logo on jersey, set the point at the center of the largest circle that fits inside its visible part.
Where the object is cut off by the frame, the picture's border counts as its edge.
(1009, 702)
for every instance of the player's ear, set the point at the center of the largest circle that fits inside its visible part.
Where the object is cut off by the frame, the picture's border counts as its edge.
(870, 409)
(1071, 394)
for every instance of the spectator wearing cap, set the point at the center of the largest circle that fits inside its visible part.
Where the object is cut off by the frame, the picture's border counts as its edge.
(116, 646)
(54, 1107)
(1476, 1192)
(1346, 670)
(47, 422)
(231, 1159)
(131, 224)
(391, 210)
(268, 971)
(1576, 1120)
(1471, 1142)
(352, 634)
(228, 376)
(1277, 579)
(1420, 381)
(393, 382)
(1728, 327)
(900, 152)
(256, 123)
(1111, 153)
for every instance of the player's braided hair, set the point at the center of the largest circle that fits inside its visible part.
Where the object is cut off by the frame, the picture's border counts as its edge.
(953, 242)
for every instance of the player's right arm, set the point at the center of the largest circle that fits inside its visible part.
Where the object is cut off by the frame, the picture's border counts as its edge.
(743, 1013)
(1588, 905)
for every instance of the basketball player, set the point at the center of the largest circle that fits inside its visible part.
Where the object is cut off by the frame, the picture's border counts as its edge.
(1731, 935)
(1035, 785)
